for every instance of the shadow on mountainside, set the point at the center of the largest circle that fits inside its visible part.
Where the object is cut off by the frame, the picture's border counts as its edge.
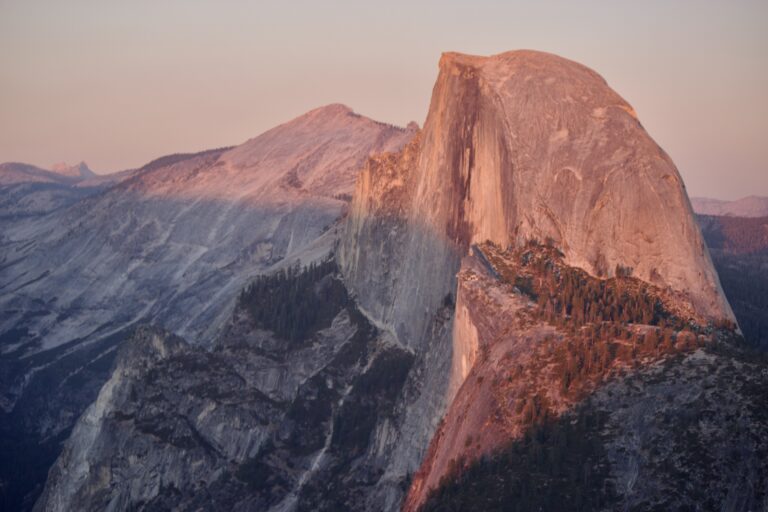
(592, 395)
(68, 302)
(640, 442)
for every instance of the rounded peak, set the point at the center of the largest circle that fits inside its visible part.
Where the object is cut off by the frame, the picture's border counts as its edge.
(338, 113)
(80, 170)
(529, 55)
(332, 113)
(506, 61)
(11, 166)
(545, 76)
(532, 55)
(330, 110)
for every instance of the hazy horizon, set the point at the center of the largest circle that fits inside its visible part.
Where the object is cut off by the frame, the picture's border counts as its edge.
(120, 85)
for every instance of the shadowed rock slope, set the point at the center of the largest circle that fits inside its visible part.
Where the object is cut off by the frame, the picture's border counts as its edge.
(171, 245)
(274, 417)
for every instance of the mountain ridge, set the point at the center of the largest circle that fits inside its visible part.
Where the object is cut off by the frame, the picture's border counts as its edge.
(749, 206)
(186, 233)
(514, 298)
(79, 170)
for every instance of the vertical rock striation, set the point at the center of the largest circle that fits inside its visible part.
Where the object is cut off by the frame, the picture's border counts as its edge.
(519, 146)
(527, 145)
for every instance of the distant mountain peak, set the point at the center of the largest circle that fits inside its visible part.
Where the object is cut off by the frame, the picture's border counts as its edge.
(327, 113)
(80, 170)
(332, 108)
(340, 113)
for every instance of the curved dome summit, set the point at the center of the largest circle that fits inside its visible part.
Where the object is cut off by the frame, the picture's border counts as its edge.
(528, 145)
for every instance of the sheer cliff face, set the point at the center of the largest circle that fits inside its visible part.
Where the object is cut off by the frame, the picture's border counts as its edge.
(516, 147)
(447, 312)
(528, 145)
(523, 368)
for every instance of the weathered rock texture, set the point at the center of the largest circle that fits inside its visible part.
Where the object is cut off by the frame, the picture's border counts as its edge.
(527, 145)
(526, 371)
(172, 245)
(518, 146)
(257, 423)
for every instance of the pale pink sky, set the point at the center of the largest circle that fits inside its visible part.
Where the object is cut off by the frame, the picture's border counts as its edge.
(119, 83)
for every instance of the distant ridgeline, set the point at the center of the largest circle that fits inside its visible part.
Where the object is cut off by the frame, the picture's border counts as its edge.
(739, 250)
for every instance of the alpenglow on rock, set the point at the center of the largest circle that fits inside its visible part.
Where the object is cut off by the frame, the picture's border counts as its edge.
(516, 147)
(527, 145)
(519, 146)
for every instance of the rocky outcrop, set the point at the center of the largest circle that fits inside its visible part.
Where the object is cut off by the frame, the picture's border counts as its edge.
(258, 423)
(402, 276)
(400, 268)
(637, 443)
(516, 147)
(527, 256)
(528, 145)
(544, 339)
(171, 244)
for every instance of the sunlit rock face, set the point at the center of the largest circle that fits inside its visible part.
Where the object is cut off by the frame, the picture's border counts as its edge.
(523, 145)
(519, 146)
(529, 145)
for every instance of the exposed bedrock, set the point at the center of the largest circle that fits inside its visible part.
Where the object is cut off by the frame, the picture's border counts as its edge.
(516, 147)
